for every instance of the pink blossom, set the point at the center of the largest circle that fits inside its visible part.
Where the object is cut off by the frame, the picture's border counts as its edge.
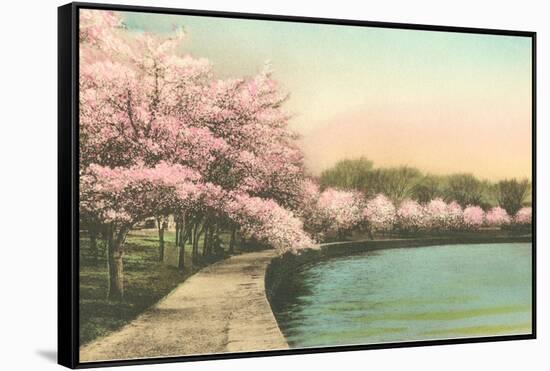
(473, 217)
(380, 213)
(127, 195)
(497, 216)
(266, 221)
(455, 216)
(340, 210)
(436, 213)
(410, 216)
(524, 216)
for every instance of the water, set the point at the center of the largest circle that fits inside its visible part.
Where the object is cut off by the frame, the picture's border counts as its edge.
(395, 295)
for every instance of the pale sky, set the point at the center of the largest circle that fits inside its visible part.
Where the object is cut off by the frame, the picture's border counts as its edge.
(443, 102)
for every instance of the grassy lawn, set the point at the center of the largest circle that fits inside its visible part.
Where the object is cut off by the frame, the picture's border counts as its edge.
(146, 281)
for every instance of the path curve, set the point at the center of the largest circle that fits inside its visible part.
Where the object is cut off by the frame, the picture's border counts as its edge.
(222, 308)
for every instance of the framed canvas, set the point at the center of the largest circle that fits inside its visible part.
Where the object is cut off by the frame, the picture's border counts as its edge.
(240, 185)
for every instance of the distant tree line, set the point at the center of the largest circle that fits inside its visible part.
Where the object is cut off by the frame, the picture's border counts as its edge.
(404, 182)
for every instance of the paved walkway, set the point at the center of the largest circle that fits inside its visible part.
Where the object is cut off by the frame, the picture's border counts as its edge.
(222, 308)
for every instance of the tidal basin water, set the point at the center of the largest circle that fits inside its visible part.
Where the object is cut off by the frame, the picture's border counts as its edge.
(408, 294)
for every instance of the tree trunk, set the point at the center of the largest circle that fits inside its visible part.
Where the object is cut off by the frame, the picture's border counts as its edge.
(161, 227)
(181, 255)
(206, 241)
(195, 245)
(177, 232)
(210, 235)
(191, 234)
(192, 239)
(196, 236)
(115, 254)
(232, 240)
(213, 240)
(182, 239)
(93, 243)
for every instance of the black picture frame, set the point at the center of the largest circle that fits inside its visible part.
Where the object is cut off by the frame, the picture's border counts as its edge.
(68, 183)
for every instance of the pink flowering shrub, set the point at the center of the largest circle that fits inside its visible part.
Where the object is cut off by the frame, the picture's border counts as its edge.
(127, 195)
(410, 216)
(436, 214)
(339, 211)
(455, 216)
(497, 217)
(315, 219)
(442, 216)
(379, 213)
(474, 217)
(524, 216)
(266, 221)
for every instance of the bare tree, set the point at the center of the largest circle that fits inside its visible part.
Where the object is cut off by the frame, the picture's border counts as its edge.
(512, 194)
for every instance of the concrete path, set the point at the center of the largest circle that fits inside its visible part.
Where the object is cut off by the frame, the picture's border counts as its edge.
(222, 308)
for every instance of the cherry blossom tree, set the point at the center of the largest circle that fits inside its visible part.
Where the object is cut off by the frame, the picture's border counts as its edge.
(315, 220)
(261, 157)
(193, 205)
(264, 159)
(410, 216)
(340, 211)
(524, 216)
(474, 217)
(379, 214)
(120, 197)
(455, 216)
(497, 217)
(436, 214)
(128, 83)
(266, 221)
(145, 104)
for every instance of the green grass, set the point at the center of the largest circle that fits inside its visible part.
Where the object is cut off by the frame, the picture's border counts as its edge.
(146, 280)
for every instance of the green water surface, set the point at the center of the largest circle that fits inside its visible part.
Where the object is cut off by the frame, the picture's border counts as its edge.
(408, 294)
